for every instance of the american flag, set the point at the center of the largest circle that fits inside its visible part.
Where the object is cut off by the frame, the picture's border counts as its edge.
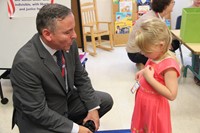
(52, 1)
(11, 8)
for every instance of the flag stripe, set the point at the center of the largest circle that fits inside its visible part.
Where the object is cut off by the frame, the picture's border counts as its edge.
(11, 7)
(9, 10)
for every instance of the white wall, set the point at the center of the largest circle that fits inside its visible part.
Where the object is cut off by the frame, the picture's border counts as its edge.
(179, 5)
(104, 9)
(14, 33)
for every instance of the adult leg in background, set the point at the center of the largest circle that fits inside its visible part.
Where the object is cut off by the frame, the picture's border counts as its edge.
(175, 45)
(196, 69)
(137, 58)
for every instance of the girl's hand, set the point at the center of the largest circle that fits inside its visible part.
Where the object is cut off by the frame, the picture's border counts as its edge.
(138, 75)
(148, 72)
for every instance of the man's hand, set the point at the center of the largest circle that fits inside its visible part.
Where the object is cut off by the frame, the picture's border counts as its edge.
(94, 116)
(83, 129)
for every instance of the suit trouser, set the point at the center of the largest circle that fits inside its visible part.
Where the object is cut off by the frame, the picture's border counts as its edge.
(77, 110)
(137, 58)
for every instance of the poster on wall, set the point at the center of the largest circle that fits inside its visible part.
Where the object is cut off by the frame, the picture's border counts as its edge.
(143, 6)
(123, 27)
(123, 16)
(29, 8)
(117, 1)
(125, 6)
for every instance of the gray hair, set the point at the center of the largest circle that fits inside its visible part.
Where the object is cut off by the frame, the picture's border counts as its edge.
(48, 16)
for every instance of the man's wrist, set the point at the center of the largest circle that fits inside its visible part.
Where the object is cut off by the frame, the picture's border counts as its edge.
(75, 128)
(96, 108)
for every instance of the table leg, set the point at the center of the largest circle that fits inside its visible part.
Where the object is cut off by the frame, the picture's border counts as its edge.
(181, 54)
(5, 75)
(195, 64)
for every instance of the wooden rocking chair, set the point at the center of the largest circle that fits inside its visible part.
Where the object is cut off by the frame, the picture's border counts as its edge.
(91, 27)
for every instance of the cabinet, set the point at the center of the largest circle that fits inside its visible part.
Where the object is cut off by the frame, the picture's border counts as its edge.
(75, 6)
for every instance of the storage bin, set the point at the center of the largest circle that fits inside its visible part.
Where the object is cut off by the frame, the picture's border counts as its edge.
(190, 25)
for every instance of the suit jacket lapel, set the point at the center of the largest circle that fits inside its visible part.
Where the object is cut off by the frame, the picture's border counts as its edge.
(51, 65)
(68, 68)
(49, 62)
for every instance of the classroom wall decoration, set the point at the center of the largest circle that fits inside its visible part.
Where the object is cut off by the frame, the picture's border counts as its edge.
(143, 6)
(28, 8)
(124, 14)
(123, 23)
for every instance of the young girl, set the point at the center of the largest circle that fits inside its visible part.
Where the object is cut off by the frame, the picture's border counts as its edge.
(158, 81)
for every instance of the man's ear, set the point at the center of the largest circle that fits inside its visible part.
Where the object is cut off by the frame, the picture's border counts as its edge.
(46, 34)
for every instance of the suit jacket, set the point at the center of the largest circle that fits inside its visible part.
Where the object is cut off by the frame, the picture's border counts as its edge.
(40, 95)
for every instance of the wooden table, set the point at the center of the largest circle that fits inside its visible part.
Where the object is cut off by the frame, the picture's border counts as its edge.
(195, 49)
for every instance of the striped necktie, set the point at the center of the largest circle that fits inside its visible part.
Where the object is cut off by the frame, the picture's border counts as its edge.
(60, 61)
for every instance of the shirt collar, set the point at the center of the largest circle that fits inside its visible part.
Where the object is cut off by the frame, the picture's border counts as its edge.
(50, 50)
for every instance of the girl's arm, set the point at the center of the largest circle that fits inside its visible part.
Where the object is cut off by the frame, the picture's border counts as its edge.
(169, 90)
(138, 75)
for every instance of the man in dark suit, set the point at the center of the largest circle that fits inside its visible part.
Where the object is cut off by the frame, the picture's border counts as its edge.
(45, 101)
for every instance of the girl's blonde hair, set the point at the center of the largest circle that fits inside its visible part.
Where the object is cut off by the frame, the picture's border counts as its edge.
(151, 32)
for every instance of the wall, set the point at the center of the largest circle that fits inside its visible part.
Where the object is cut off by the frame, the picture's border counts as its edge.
(14, 33)
(179, 5)
(105, 9)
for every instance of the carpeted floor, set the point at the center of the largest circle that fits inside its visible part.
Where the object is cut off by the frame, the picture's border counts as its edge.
(115, 131)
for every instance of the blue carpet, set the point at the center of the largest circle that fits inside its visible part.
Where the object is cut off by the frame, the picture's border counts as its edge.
(115, 131)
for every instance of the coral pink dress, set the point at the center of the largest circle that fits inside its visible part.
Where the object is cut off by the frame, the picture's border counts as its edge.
(152, 112)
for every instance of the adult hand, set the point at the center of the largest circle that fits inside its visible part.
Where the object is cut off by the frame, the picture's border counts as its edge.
(94, 116)
(83, 129)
